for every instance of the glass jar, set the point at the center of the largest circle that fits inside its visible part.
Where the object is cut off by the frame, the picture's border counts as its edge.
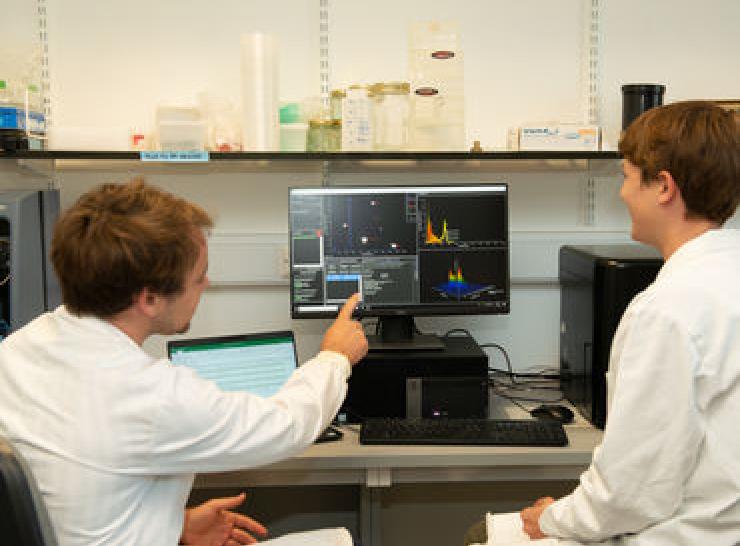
(357, 122)
(391, 115)
(335, 103)
(324, 135)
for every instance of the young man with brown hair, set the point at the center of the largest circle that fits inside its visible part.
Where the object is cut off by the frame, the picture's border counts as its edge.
(114, 436)
(667, 470)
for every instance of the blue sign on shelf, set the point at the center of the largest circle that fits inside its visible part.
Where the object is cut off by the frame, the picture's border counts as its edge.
(192, 156)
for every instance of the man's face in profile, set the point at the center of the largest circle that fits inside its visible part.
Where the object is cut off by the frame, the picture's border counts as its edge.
(181, 307)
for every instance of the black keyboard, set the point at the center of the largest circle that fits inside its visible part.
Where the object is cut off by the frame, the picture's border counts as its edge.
(500, 432)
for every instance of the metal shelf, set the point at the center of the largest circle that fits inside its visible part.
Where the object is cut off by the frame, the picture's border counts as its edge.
(325, 156)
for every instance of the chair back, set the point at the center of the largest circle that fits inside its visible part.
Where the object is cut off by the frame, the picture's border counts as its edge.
(23, 516)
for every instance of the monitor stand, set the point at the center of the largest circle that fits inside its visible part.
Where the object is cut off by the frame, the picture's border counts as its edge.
(398, 333)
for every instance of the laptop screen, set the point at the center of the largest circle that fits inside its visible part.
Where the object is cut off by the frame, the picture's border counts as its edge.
(257, 363)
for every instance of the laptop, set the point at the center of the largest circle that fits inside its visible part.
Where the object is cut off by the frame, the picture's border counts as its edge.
(257, 363)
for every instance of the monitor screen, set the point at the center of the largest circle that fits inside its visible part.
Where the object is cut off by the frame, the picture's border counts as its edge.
(415, 250)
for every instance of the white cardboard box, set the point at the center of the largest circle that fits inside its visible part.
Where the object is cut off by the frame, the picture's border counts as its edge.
(548, 137)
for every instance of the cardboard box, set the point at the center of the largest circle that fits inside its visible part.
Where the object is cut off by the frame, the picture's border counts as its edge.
(559, 137)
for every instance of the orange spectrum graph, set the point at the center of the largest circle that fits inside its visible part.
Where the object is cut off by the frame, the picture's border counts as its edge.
(432, 239)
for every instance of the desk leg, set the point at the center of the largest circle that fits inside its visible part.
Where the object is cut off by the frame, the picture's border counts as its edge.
(370, 516)
(375, 480)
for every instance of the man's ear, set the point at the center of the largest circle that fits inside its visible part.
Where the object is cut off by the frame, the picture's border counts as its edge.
(148, 303)
(667, 188)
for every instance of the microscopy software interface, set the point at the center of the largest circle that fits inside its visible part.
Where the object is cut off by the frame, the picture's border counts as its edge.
(429, 249)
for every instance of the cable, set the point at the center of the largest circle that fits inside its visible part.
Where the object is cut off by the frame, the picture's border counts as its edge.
(506, 357)
(516, 399)
(513, 401)
(541, 374)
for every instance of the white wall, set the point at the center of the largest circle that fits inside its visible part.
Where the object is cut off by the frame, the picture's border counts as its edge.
(113, 62)
(19, 33)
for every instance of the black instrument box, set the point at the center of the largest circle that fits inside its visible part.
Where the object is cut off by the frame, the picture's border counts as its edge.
(378, 384)
(596, 285)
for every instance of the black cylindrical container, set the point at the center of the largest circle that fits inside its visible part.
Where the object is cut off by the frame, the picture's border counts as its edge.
(638, 98)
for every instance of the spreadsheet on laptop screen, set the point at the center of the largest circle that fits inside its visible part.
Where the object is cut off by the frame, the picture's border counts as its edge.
(260, 366)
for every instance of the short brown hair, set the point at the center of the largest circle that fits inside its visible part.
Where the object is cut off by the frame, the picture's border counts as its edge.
(697, 142)
(118, 239)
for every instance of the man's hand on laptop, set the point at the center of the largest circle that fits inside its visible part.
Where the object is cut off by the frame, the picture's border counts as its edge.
(346, 336)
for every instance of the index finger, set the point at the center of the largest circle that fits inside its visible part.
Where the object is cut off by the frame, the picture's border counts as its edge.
(247, 523)
(349, 307)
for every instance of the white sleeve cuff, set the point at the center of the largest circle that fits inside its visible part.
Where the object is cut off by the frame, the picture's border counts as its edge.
(338, 359)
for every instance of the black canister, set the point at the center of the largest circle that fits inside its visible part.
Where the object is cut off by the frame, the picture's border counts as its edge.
(638, 98)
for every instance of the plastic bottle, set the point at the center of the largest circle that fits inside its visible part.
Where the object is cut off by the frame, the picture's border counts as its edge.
(292, 129)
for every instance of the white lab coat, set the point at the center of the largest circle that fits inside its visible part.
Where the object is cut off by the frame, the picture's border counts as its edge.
(668, 469)
(114, 436)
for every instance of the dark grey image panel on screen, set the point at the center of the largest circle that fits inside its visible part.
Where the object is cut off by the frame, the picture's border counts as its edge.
(390, 280)
(307, 251)
(339, 287)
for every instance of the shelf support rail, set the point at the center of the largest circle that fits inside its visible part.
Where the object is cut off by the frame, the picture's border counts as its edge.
(591, 60)
(44, 47)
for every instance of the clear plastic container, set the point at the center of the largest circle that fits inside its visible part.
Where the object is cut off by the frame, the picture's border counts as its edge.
(437, 100)
(180, 128)
(390, 115)
(357, 122)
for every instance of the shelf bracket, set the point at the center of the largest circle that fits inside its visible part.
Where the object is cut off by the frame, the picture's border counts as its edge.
(325, 174)
(589, 202)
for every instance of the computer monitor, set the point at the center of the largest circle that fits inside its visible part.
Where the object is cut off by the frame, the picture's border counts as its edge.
(411, 250)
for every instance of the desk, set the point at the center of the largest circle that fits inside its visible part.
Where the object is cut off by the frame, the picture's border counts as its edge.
(377, 467)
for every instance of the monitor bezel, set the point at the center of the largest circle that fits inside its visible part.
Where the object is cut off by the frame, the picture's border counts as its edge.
(390, 310)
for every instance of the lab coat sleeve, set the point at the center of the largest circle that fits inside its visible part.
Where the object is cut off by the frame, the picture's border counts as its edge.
(199, 428)
(651, 440)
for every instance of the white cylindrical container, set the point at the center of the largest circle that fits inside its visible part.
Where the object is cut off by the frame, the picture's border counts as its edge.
(357, 123)
(260, 95)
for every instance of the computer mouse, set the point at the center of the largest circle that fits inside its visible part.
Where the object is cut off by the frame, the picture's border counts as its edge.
(555, 412)
(330, 434)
